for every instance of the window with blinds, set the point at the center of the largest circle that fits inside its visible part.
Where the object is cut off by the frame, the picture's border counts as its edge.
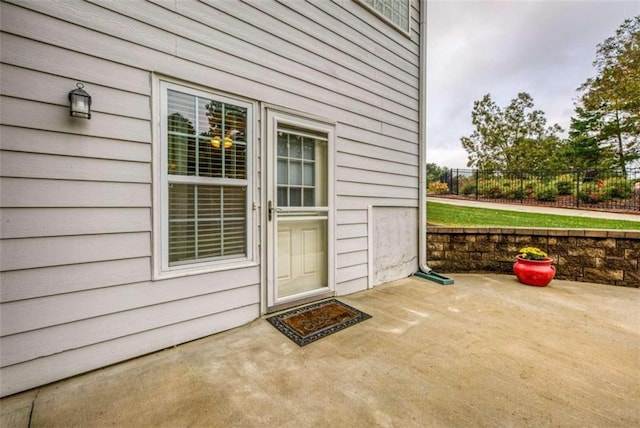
(396, 12)
(206, 177)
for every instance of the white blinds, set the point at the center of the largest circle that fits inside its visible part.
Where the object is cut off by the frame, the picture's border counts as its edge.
(206, 138)
(206, 178)
(206, 222)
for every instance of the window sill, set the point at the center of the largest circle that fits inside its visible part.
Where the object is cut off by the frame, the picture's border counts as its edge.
(202, 270)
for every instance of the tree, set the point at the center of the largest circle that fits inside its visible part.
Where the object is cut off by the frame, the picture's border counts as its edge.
(436, 173)
(613, 97)
(514, 139)
(584, 150)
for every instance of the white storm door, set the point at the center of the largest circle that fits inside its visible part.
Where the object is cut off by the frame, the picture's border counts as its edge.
(300, 246)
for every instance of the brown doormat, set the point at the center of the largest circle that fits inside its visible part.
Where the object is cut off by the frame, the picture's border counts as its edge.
(310, 323)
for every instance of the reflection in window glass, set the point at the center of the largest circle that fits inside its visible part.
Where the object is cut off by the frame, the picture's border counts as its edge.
(206, 141)
(309, 174)
(220, 149)
(396, 12)
(309, 150)
(295, 173)
(295, 147)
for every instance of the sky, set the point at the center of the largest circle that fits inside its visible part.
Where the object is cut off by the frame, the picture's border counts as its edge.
(479, 47)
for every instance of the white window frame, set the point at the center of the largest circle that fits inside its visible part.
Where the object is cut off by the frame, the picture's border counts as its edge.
(406, 31)
(161, 268)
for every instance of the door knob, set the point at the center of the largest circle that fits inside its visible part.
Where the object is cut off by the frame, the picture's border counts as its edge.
(270, 210)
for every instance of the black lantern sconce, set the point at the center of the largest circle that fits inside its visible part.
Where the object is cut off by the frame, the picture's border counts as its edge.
(80, 102)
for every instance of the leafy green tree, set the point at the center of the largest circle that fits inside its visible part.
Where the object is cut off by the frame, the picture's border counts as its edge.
(613, 97)
(435, 172)
(584, 150)
(542, 154)
(516, 138)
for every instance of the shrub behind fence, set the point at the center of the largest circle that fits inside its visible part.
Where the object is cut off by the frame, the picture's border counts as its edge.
(591, 189)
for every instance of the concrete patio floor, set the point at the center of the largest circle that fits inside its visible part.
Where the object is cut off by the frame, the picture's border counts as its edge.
(486, 351)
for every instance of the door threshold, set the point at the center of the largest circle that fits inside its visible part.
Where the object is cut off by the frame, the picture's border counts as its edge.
(300, 302)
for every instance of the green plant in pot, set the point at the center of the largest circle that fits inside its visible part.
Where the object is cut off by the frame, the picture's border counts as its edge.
(533, 267)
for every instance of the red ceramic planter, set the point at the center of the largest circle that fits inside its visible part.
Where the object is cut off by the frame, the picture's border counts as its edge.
(534, 272)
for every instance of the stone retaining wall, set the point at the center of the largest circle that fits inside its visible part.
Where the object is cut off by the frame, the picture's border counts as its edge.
(601, 256)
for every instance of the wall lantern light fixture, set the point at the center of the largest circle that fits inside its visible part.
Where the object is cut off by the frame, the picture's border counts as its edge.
(80, 102)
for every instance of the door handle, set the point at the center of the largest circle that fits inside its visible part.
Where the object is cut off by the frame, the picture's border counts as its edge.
(270, 210)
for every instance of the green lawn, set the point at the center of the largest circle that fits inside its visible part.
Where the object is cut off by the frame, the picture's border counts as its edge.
(453, 215)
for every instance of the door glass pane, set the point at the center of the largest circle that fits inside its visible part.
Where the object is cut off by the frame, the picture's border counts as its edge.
(309, 174)
(283, 144)
(308, 198)
(283, 172)
(295, 146)
(295, 197)
(295, 173)
(302, 170)
(283, 197)
(309, 149)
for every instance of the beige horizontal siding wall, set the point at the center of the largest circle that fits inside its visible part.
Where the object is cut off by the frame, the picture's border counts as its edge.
(76, 194)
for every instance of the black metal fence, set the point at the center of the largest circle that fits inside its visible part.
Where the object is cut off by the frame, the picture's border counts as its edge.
(591, 189)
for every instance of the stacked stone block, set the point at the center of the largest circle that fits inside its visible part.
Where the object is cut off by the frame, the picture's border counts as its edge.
(601, 256)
